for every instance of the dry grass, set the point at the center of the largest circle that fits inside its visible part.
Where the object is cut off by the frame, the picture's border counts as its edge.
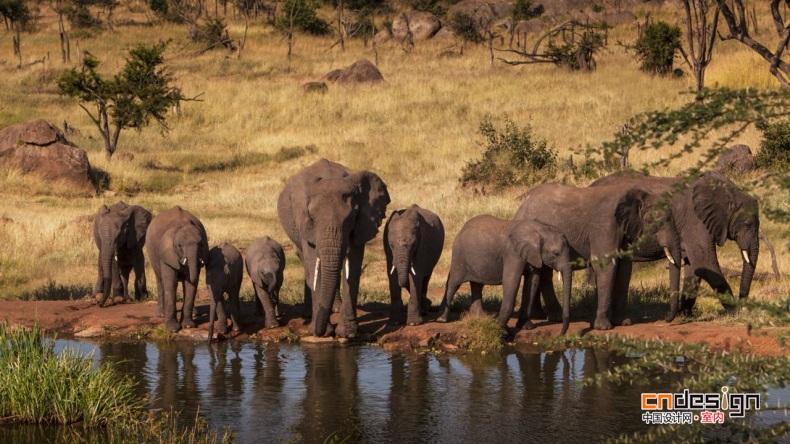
(417, 132)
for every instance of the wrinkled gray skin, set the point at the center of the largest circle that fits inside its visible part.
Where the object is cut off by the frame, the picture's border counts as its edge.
(413, 242)
(493, 251)
(224, 270)
(330, 212)
(265, 265)
(597, 222)
(119, 232)
(708, 212)
(177, 248)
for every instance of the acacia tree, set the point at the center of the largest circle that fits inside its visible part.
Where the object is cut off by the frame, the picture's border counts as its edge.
(130, 99)
(700, 36)
(17, 16)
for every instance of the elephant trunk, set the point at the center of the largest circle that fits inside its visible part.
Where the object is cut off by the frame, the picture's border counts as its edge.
(748, 267)
(191, 255)
(107, 253)
(567, 275)
(211, 313)
(329, 271)
(402, 266)
(674, 291)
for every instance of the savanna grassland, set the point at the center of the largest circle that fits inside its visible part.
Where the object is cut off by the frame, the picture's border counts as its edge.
(227, 156)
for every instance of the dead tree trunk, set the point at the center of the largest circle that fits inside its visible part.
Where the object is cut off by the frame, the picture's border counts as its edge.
(700, 37)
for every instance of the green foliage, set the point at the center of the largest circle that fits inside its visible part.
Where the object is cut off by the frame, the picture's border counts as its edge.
(424, 5)
(523, 10)
(302, 14)
(212, 31)
(80, 17)
(656, 47)
(16, 12)
(775, 147)
(129, 99)
(577, 55)
(511, 157)
(465, 28)
(53, 291)
(597, 8)
(480, 333)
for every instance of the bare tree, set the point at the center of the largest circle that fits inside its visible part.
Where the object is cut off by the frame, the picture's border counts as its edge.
(736, 17)
(571, 44)
(700, 36)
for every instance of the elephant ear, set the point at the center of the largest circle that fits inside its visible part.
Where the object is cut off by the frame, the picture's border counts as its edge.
(373, 201)
(528, 243)
(138, 225)
(628, 212)
(167, 249)
(713, 202)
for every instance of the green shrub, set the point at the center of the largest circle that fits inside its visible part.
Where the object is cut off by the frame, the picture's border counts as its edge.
(523, 10)
(511, 157)
(305, 17)
(775, 147)
(480, 333)
(80, 17)
(465, 28)
(656, 47)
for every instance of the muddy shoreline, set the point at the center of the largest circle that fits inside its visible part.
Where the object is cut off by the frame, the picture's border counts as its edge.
(138, 321)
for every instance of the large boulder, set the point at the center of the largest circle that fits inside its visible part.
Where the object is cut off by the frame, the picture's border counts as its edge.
(39, 147)
(736, 159)
(483, 12)
(423, 25)
(361, 71)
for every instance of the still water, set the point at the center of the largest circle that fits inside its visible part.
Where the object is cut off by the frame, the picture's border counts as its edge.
(305, 393)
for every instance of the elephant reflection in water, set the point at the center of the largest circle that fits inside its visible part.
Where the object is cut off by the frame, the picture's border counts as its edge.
(331, 402)
(411, 399)
(129, 358)
(177, 384)
(226, 383)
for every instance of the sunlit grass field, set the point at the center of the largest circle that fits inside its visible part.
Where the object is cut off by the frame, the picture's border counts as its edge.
(226, 158)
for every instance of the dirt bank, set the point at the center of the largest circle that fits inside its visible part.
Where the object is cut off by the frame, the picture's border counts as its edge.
(138, 320)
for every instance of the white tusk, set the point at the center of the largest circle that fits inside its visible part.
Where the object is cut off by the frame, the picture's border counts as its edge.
(746, 257)
(183, 261)
(614, 262)
(347, 269)
(315, 273)
(201, 262)
(116, 258)
(669, 256)
(392, 270)
(413, 273)
(559, 277)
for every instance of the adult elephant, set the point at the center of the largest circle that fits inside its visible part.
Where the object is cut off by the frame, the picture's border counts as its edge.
(177, 248)
(708, 211)
(329, 212)
(119, 232)
(598, 223)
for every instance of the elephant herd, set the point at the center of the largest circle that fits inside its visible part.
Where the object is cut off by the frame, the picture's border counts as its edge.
(330, 212)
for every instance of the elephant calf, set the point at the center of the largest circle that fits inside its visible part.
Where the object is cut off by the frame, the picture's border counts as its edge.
(413, 242)
(265, 265)
(492, 251)
(224, 271)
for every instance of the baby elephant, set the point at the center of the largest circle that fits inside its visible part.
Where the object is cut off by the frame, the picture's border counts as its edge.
(492, 251)
(224, 271)
(413, 242)
(265, 265)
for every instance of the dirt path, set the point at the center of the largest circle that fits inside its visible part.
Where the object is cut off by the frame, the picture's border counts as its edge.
(138, 320)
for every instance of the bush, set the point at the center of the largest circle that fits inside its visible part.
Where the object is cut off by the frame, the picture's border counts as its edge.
(305, 18)
(523, 10)
(511, 157)
(80, 17)
(465, 28)
(775, 147)
(656, 47)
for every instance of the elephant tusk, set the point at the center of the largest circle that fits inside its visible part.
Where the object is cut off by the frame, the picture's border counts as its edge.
(347, 269)
(413, 273)
(669, 256)
(116, 258)
(746, 257)
(183, 261)
(559, 277)
(202, 262)
(315, 273)
(392, 270)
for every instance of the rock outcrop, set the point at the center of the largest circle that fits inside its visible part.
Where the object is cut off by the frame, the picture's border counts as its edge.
(359, 72)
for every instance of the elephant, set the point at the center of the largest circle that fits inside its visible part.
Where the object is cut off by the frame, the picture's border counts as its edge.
(330, 212)
(413, 242)
(265, 264)
(177, 246)
(493, 251)
(224, 271)
(599, 223)
(119, 232)
(708, 210)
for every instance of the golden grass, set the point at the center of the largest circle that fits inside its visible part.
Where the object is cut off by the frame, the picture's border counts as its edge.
(416, 132)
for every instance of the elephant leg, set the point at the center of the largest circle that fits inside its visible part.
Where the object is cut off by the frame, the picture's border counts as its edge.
(415, 304)
(425, 303)
(476, 308)
(126, 271)
(347, 327)
(100, 280)
(531, 285)
(222, 317)
(537, 310)
(511, 281)
(553, 307)
(396, 301)
(605, 278)
(258, 304)
(674, 289)
(450, 289)
(688, 297)
(169, 280)
(338, 303)
(190, 289)
(265, 300)
(140, 284)
(620, 293)
(235, 309)
(117, 279)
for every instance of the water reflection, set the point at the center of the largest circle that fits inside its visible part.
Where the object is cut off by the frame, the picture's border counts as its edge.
(363, 394)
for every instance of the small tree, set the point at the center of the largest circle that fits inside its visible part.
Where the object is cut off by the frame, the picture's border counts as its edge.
(130, 99)
(702, 20)
(775, 147)
(17, 16)
(656, 47)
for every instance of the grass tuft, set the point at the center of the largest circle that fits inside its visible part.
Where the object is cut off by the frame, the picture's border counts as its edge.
(480, 333)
